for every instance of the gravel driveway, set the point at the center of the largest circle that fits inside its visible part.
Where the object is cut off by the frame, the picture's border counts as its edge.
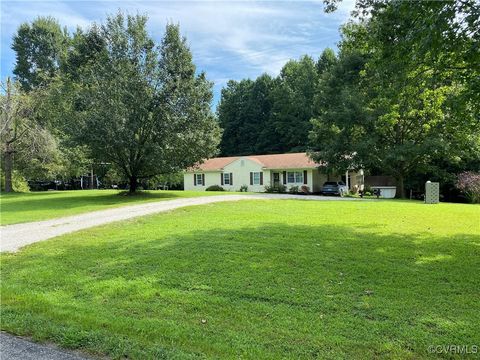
(17, 348)
(14, 237)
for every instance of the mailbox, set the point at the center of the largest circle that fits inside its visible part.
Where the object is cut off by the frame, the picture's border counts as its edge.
(432, 192)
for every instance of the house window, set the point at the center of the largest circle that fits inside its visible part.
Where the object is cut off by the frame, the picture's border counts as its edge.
(295, 177)
(226, 179)
(198, 179)
(290, 177)
(299, 177)
(256, 178)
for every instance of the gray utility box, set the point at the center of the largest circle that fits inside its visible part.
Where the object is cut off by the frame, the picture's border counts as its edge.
(432, 192)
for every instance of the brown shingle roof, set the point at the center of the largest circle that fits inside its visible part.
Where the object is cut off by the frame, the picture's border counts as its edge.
(214, 164)
(276, 161)
(286, 161)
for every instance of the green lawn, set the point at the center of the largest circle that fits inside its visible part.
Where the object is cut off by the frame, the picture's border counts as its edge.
(35, 206)
(258, 280)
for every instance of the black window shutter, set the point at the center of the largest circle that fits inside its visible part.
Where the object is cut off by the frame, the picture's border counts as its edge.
(231, 178)
(221, 178)
(251, 178)
(194, 179)
(305, 176)
(284, 178)
(203, 179)
(261, 178)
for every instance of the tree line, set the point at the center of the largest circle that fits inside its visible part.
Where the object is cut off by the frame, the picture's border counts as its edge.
(107, 94)
(401, 97)
(271, 115)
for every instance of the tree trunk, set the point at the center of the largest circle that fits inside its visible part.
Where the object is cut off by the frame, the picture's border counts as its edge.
(400, 187)
(92, 186)
(8, 168)
(133, 184)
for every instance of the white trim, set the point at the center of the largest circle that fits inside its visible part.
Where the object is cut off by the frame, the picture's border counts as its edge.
(225, 178)
(253, 177)
(295, 173)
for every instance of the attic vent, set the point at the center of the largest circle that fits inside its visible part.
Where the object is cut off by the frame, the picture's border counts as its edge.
(242, 162)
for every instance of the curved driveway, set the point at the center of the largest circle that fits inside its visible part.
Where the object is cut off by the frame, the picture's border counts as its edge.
(14, 237)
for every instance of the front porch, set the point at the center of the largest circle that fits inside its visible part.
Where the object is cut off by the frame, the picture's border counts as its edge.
(313, 179)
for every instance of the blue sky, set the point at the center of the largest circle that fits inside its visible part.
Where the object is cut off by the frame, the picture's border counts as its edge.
(229, 39)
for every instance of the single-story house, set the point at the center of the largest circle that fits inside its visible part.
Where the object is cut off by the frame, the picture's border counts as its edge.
(258, 171)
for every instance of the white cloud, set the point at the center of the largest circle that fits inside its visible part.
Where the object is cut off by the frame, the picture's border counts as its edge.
(253, 32)
(233, 39)
(14, 13)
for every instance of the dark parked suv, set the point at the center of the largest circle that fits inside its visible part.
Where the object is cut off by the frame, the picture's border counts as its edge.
(334, 188)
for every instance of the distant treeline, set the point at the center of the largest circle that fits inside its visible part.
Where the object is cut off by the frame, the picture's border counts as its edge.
(271, 115)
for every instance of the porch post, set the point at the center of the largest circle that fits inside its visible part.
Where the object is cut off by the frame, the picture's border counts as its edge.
(346, 181)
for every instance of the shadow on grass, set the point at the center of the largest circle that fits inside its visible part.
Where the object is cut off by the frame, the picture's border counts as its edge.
(267, 292)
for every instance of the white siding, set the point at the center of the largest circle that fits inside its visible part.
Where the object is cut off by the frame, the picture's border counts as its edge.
(241, 170)
(310, 178)
(211, 178)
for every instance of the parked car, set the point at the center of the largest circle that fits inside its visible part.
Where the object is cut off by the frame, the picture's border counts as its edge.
(334, 188)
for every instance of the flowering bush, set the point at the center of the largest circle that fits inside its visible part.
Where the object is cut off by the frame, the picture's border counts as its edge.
(469, 183)
(305, 189)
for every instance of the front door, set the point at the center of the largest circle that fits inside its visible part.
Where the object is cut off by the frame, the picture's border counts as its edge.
(276, 178)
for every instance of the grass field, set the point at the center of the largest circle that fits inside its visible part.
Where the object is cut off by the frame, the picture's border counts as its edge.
(35, 206)
(256, 279)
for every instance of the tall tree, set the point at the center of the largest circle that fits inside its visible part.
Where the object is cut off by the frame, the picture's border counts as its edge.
(85, 48)
(44, 53)
(268, 139)
(26, 146)
(11, 129)
(416, 104)
(271, 115)
(244, 113)
(326, 60)
(140, 107)
(39, 47)
(340, 106)
(232, 116)
(293, 103)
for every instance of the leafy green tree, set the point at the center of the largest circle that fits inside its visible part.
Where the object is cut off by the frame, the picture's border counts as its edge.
(41, 58)
(326, 60)
(293, 103)
(271, 115)
(340, 114)
(141, 107)
(28, 148)
(417, 102)
(233, 119)
(268, 140)
(39, 47)
(244, 113)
